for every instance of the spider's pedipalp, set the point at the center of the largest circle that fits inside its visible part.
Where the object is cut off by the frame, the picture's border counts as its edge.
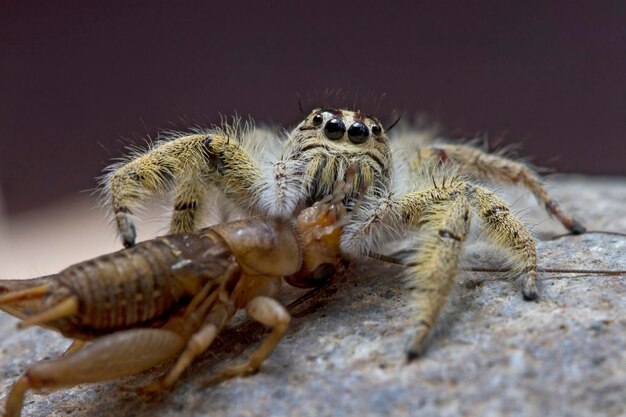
(376, 219)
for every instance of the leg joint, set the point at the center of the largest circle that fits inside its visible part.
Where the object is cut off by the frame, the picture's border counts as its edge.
(495, 211)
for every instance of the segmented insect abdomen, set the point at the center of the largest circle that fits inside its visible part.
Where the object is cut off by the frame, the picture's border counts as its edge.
(135, 285)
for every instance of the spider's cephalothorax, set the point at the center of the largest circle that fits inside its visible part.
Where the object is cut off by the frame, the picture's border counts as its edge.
(264, 175)
(328, 141)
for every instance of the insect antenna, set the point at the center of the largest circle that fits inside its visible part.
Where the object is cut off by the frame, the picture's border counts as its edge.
(558, 271)
(604, 232)
(396, 261)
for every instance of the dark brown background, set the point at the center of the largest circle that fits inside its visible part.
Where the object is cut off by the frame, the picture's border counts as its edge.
(75, 77)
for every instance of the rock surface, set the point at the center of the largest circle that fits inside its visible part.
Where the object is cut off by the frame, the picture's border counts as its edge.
(493, 354)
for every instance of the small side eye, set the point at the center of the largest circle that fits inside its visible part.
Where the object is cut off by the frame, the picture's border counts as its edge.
(318, 119)
(377, 130)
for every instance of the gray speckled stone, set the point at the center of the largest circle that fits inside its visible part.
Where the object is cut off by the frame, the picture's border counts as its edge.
(493, 354)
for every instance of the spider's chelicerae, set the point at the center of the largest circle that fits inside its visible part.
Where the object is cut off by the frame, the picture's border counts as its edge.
(264, 174)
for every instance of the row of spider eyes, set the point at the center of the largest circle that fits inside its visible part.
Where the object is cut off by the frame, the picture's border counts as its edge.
(335, 128)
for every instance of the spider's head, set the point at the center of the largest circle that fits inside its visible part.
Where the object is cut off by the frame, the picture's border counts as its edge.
(342, 130)
(328, 140)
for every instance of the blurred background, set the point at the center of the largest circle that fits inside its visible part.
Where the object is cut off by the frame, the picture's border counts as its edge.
(81, 79)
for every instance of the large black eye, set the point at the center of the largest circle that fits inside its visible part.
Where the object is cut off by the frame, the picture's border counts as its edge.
(334, 129)
(358, 132)
(377, 130)
(318, 119)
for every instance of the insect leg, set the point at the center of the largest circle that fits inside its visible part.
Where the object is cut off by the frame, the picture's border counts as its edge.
(74, 347)
(65, 308)
(270, 313)
(197, 344)
(211, 314)
(119, 354)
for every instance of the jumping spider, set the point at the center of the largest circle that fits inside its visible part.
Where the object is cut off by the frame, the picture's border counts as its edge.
(267, 176)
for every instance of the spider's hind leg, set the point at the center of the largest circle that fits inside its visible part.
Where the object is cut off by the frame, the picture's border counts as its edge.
(482, 165)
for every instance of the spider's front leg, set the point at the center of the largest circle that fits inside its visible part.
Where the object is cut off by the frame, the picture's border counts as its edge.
(479, 164)
(435, 263)
(443, 215)
(189, 163)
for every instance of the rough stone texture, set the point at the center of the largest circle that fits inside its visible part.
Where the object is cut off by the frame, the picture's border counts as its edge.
(493, 354)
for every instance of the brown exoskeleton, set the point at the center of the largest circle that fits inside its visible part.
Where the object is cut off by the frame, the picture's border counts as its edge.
(170, 297)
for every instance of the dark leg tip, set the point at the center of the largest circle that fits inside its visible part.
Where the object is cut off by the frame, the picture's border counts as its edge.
(129, 238)
(529, 287)
(530, 294)
(415, 352)
(412, 354)
(577, 228)
(130, 235)
(126, 227)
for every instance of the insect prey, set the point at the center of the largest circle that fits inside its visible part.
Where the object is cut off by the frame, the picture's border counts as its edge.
(169, 297)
